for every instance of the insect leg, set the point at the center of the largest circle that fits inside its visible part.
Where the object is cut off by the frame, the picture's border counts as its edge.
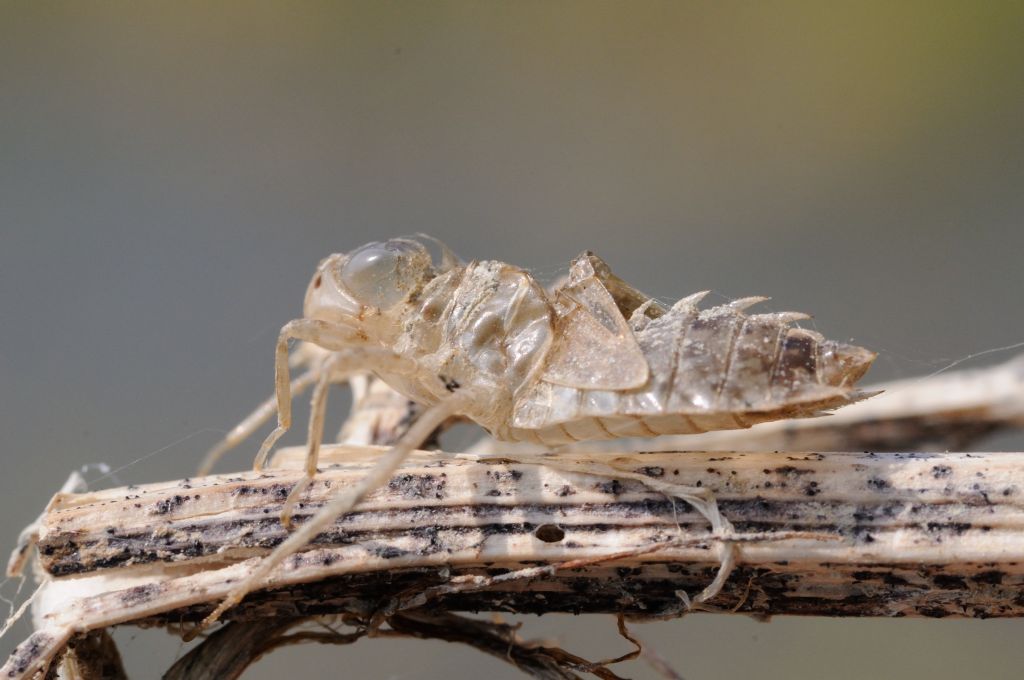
(345, 501)
(703, 501)
(318, 407)
(326, 335)
(338, 368)
(254, 420)
(699, 498)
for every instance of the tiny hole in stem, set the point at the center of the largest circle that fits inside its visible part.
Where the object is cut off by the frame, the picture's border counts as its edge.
(549, 533)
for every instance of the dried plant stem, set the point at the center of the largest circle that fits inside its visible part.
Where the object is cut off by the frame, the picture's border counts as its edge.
(838, 534)
(828, 534)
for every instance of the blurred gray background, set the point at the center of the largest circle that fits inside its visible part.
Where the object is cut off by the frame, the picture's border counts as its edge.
(169, 177)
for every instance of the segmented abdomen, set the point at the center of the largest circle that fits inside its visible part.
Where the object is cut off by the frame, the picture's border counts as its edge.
(713, 369)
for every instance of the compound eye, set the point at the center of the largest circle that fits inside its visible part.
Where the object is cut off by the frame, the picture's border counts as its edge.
(373, 274)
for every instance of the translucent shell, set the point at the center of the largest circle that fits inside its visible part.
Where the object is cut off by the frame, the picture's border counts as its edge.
(621, 369)
(376, 274)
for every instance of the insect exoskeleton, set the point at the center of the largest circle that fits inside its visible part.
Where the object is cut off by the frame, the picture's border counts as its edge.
(625, 366)
(486, 324)
(593, 359)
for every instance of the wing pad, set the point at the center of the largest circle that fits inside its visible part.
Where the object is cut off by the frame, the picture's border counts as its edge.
(595, 348)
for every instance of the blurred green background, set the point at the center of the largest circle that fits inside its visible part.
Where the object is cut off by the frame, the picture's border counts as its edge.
(170, 174)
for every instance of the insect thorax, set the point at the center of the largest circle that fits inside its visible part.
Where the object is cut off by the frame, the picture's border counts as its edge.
(487, 325)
